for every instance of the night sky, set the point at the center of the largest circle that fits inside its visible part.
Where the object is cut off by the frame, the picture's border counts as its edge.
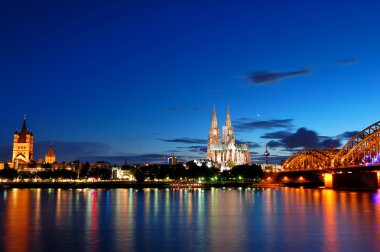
(137, 80)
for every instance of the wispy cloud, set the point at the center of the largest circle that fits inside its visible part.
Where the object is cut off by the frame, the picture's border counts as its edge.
(276, 135)
(302, 138)
(268, 77)
(329, 143)
(244, 124)
(347, 135)
(174, 109)
(275, 144)
(69, 151)
(348, 61)
(185, 140)
(200, 149)
(251, 145)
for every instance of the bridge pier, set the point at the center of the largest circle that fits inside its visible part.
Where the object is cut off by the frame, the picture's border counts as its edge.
(305, 179)
(328, 178)
(352, 180)
(342, 178)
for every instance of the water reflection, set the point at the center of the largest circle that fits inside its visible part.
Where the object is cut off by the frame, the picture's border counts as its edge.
(189, 220)
(17, 221)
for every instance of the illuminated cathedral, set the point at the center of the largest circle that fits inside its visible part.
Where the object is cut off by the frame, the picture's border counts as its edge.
(227, 153)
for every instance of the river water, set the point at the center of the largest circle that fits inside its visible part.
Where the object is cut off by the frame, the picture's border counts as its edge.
(189, 220)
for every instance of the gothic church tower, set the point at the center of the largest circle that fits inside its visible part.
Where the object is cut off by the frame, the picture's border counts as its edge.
(22, 146)
(213, 136)
(228, 130)
(50, 156)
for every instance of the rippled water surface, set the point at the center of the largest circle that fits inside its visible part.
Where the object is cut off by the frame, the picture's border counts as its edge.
(189, 220)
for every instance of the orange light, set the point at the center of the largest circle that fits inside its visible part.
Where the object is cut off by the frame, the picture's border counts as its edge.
(328, 180)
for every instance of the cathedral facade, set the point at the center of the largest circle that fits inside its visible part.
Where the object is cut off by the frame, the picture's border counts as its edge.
(227, 152)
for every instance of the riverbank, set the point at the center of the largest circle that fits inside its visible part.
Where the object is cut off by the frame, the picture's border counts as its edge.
(118, 184)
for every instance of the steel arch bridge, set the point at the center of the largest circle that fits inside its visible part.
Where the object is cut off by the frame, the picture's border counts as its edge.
(361, 150)
(309, 160)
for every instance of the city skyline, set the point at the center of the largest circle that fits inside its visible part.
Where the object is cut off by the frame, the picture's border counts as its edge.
(137, 81)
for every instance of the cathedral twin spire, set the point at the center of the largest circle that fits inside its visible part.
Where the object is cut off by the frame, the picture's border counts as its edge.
(214, 121)
(228, 131)
(228, 117)
(214, 134)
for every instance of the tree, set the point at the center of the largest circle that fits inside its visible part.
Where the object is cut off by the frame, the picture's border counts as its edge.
(46, 174)
(195, 171)
(139, 175)
(102, 173)
(163, 171)
(248, 172)
(8, 173)
(83, 171)
(178, 171)
(226, 175)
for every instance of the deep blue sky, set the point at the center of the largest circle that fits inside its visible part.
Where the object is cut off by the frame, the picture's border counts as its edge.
(138, 79)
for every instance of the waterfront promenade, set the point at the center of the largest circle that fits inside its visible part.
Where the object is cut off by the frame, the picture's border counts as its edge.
(118, 184)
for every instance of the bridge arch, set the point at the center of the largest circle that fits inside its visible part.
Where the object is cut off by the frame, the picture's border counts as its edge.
(309, 160)
(362, 149)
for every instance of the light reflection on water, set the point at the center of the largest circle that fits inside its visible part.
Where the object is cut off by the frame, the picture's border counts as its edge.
(189, 220)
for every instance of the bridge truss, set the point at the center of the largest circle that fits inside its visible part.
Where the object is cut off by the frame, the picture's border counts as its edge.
(309, 160)
(362, 150)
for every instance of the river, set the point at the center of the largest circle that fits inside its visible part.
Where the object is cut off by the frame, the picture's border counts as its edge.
(285, 219)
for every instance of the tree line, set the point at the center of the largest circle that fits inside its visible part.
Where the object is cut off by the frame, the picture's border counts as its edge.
(191, 172)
